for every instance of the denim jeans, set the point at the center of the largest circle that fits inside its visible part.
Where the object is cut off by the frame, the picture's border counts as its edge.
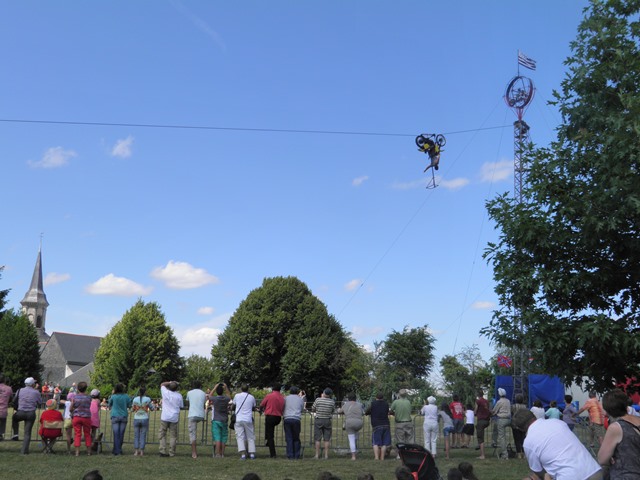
(119, 425)
(292, 437)
(140, 430)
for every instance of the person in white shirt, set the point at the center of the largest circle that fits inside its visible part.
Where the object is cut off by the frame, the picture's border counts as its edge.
(245, 403)
(172, 403)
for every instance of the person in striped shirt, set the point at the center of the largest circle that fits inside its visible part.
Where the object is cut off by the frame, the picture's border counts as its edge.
(323, 407)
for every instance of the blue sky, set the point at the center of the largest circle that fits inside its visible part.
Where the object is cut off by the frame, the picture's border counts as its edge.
(196, 218)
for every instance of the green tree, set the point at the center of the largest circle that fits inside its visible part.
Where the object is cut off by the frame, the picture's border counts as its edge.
(139, 342)
(465, 373)
(282, 333)
(3, 295)
(567, 262)
(404, 359)
(20, 357)
(199, 369)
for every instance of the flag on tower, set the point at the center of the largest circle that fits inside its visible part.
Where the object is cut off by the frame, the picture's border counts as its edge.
(504, 361)
(526, 61)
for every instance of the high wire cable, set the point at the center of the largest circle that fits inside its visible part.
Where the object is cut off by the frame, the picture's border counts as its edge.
(238, 129)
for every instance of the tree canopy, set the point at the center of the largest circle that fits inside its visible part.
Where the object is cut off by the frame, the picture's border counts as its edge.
(567, 262)
(20, 351)
(139, 342)
(404, 359)
(465, 373)
(282, 333)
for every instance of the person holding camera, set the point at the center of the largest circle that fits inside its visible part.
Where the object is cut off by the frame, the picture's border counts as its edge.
(293, 407)
(219, 428)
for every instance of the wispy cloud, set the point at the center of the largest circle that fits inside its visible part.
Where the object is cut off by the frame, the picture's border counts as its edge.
(409, 185)
(54, 157)
(480, 305)
(496, 171)
(352, 285)
(122, 148)
(200, 24)
(182, 276)
(53, 278)
(359, 332)
(454, 184)
(359, 180)
(117, 286)
(206, 311)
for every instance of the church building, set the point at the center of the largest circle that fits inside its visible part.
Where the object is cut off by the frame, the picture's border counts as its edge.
(66, 358)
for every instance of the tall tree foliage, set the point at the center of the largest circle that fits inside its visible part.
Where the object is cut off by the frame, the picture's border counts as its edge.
(19, 348)
(199, 369)
(139, 342)
(282, 333)
(567, 263)
(465, 373)
(3, 295)
(404, 359)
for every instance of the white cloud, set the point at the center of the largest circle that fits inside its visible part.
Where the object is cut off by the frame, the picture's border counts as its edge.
(53, 278)
(54, 157)
(454, 184)
(359, 180)
(119, 286)
(206, 311)
(182, 276)
(359, 332)
(352, 285)
(483, 305)
(122, 148)
(496, 171)
(409, 185)
(199, 338)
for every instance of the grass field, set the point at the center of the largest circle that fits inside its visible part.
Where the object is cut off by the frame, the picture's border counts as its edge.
(182, 466)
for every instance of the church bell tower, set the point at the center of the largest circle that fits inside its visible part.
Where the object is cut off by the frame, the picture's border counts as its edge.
(34, 304)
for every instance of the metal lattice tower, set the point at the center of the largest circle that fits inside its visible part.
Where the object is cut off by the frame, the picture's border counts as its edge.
(518, 96)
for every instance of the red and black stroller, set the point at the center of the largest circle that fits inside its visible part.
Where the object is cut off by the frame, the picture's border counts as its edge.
(418, 459)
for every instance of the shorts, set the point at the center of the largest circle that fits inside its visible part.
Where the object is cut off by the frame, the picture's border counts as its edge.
(483, 423)
(596, 429)
(458, 423)
(446, 431)
(322, 429)
(193, 427)
(468, 429)
(68, 423)
(219, 431)
(381, 436)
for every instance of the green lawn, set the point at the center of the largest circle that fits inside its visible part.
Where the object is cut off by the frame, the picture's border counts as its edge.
(182, 466)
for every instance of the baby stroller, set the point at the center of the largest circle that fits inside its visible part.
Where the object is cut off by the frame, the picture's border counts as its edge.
(418, 459)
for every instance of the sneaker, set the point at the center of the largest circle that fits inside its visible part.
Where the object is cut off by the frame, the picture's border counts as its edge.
(163, 454)
(243, 457)
(15, 438)
(252, 456)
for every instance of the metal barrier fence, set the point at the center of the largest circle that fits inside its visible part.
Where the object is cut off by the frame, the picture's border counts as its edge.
(339, 442)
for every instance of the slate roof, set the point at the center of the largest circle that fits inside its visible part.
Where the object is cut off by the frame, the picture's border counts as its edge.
(77, 349)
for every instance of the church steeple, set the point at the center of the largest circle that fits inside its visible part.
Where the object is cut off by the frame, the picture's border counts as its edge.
(34, 304)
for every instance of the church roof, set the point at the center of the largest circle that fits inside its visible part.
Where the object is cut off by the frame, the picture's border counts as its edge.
(36, 294)
(77, 349)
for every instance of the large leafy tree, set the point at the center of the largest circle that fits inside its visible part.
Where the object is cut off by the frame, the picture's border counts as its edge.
(465, 373)
(567, 263)
(141, 341)
(282, 333)
(404, 359)
(199, 370)
(19, 348)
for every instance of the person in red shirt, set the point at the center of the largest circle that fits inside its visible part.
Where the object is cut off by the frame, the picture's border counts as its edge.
(272, 405)
(457, 412)
(483, 420)
(53, 418)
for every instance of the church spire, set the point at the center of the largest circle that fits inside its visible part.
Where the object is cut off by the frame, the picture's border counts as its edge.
(34, 304)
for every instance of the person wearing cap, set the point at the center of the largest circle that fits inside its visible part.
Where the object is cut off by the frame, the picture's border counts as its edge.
(28, 400)
(430, 426)
(550, 447)
(401, 410)
(323, 407)
(502, 410)
(95, 412)
(5, 397)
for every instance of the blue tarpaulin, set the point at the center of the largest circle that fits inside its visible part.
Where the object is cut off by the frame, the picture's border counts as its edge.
(541, 387)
